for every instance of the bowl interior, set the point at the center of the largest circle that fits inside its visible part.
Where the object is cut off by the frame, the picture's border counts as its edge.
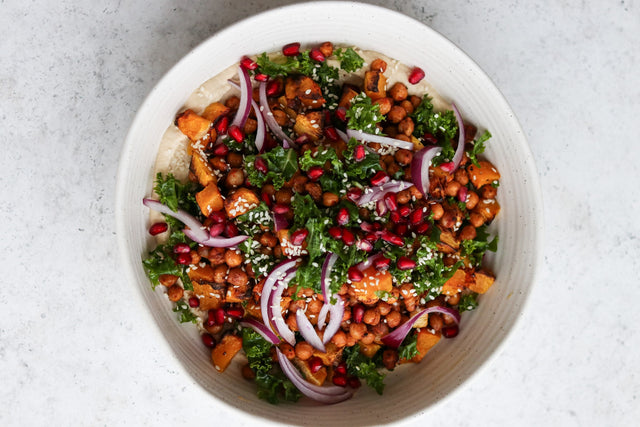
(410, 389)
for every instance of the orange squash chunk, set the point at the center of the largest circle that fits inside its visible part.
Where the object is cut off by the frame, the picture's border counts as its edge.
(374, 281)
(224, 352)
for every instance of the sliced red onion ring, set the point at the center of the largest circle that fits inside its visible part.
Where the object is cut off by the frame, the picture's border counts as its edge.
(280, 222)
(269, 119)
(395, 338)
(215, 242)
(461, 137)
(327, 266)
(369, 137)
(260, 328)
(274, 310)
(322, 316)
(245, 99)
(336, 310)
(279, 272)
(261, 130)
(378, 193)
(195, 226)
(327, 394)
(369, 261)
(308, 332)
(420, 168)
(343, 136)
(336, 313)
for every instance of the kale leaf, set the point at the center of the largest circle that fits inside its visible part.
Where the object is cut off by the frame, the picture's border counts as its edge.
(280, 68)
(160, 261)
(363, 114)
(409, 347)
(475, 249)
(184, 313)
(468, 302)
(350, 61)
(282, 165)
(478, 147)
(363, 367)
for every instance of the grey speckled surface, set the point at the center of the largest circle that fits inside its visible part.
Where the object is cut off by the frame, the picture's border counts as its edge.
(72, 347)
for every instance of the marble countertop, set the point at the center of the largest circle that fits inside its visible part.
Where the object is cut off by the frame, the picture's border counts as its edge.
(73, 347)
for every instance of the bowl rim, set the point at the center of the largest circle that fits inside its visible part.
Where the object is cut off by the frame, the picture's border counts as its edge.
(125, 162)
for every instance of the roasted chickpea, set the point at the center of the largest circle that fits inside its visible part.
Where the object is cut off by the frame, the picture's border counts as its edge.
(283, 196)
(268, 239)
(232, 102)
(281, 117)
(472, 200)
(357, 330)
(250, 126)
(235, 178)
(287, 350)
(383, 308)
(234, 159)
(390, 358)
(277, 251)
(292, 322)
(371, 316)
(216, 256)
(408, 106)
(398, 92)
(437, 211)
(461, 176)
(391, 131)
(378, 65)
(339, 339)
(452, 188)
(351, 341)
(406, 126)
(247, 372)
(175, 292)
(269, 189)
(304, 350)
(415, 193)
(393, 319)
(385, 105)
(476, 219)
(314, 189)
(326, 48)
(415, 100)
(435, 321)
(468, 232)
(448, 219)
(367, 338)
(454, 299)
(233, 258)
(237, 277)
(380, 330)
(488, 192)
(329, 199)
(219, 163)
(403, 197)
(168, 280)
(403, 137)
(314, 306)
(220, 273)
(299, 182)
(393, 168)
(396, 114)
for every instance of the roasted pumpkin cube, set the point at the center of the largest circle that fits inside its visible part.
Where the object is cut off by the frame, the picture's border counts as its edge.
(488, 208)
(375, 85)
(201, 169)
(456, 283)
(210, 199)
(348, 93)
(310, 123)
(223, 353)
(193, 125)
(215, 110)
(305, 89)
(288, 248)
(425, 342)
(331, 354)
(210, 297)
(200, 274)
(484, 174)
(240, 202)
(252, 308)
(448, 242)
(238, 293)
(373, 282)
(369, 350)
(482, 281)
(318, 378)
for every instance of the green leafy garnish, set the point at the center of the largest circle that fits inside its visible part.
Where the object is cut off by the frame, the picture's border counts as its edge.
(478, 147)
(160, 261)
(184, 313)
(468, 302)
(363, 367)
(282, 164)
(281, 68)
(364, 115)
(350, 61)
(475, 249)
(409, 347)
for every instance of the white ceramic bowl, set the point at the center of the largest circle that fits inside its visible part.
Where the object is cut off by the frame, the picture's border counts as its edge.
(410, 389)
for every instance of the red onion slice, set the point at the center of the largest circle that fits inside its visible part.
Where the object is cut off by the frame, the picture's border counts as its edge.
(369, 137)
(395, 338)
(280, 222)
(343, 136)
(260, 328)
(245, 99)
(195, 226)
(336, 313)
(369, 261)
(322, 316)
(457, 157)
(327, 266)
(420, 168)
(336, 310)
(279, 272)
(327, 394)
(215, 242)
(377, 193)
(308, 332)
(274, 309)
(269, 119)
(261, 130)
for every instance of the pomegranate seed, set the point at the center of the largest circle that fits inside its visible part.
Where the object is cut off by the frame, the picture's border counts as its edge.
(184, 259)
(377, 226)
(354, 193)
(355, 275)
(358, 314)
(395, 217)
(302, 139)
(222, 125)
(401, 229)
(450, 331)
(365, 226)
(364, 245)
(218, 217)
(341, 113)
(208, 340)
(261, 165)
(217, 316)
(388, 236)
(359, 153)
(348, 238)
(236, 312)
(416, 216)
(273, 87)
(382, 263)
(220, 150)
(379, 178)
(381, 207)
(230, 229)
(462, 194)
(298, 236)
(266, 198)
(354, 382)
(416, 75)
(343, 216)
(181, 248)
(280, 208)
(430, 138)
(261, 77)
(404, 211)
(157, 228)
(405, 263)
(422, 228)
(194, 302)
(316, 55)
(236, 133)
(335, 232)
(342, 367)
(447, 167)
(391, 201)
(315, 364)
(371, 237)
(248, 63)
(291, 49)
(216, 229)
(330, 133)
(340, 381)
(315, 172)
